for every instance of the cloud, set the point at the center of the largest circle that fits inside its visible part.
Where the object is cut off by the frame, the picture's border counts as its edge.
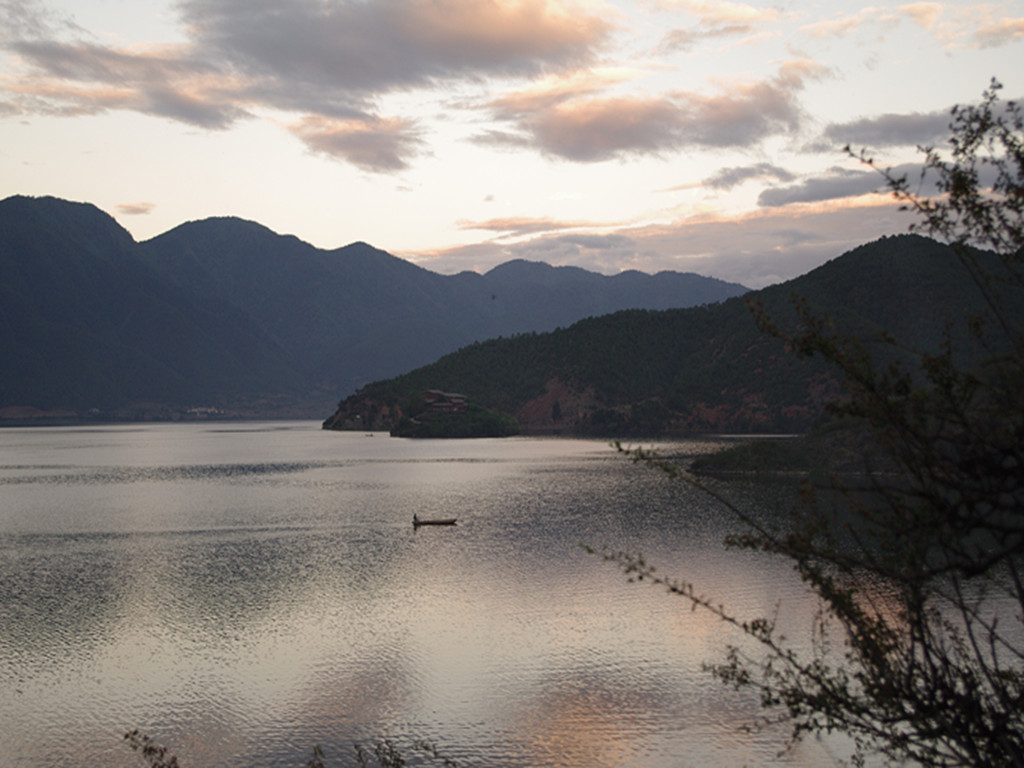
(597, 242)
(755, 249)
(839, 183)
(714, 20)
(727, 178)
(687, 39)
(502, 139)
(890, 130)
(374, 144)
(925, 14)
(749, 112)
(916, 129)
(606, 254)
(999, 32)
(842, 183)
(604, 128)
(26, 19)
(135, 209)
(840, 26)
(325, 62)
(600, 252)
(77, 78)
(584, 128)
(719, 12)
(974, 26)
(517, 226)
(550, 91)
(357, 47)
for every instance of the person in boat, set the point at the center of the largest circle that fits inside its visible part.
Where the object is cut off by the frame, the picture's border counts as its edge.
(415, 519)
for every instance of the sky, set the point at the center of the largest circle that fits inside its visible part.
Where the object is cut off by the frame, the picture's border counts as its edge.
(691, 135)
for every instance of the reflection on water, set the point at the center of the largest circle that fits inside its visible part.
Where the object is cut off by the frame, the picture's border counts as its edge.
(244, 592)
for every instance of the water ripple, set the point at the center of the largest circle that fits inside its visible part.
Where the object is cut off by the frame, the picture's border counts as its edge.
(241, 609)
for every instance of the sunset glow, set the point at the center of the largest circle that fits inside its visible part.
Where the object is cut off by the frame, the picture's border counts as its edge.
(692, 135)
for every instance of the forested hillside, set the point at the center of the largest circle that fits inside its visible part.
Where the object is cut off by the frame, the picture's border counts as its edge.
(691, 370)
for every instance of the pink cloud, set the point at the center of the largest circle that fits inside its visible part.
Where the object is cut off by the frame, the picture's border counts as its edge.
(374, 144)
(135, 209)
(326, 62)
(717, 12)
(999, 32)
(925, 14)
(79, 78)
(375, 47)
(519, 226)
(587, 128)
(756, 248)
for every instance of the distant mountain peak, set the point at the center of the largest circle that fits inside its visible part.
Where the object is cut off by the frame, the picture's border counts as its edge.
(53, 217)
(517, 266)
(226, 226)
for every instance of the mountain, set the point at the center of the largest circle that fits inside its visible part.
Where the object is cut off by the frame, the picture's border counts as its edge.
(226, 313)
(356, 314)
(85, 323)
(701, 369)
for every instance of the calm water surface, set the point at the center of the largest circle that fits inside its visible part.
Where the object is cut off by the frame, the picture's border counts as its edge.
(241, 592)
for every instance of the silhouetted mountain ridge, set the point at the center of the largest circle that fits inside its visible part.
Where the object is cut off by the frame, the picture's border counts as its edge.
(225, 310)
(357, 313)
(86, 323)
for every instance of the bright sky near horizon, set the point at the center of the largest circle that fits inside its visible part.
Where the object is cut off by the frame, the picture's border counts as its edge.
(694, 135)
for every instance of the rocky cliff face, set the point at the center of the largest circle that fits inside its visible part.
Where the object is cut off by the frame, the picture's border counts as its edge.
(560, 410)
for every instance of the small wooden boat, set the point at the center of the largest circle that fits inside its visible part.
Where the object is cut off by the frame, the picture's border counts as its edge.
(417, 522)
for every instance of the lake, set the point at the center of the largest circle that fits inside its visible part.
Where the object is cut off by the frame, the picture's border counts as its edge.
(241, 592)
